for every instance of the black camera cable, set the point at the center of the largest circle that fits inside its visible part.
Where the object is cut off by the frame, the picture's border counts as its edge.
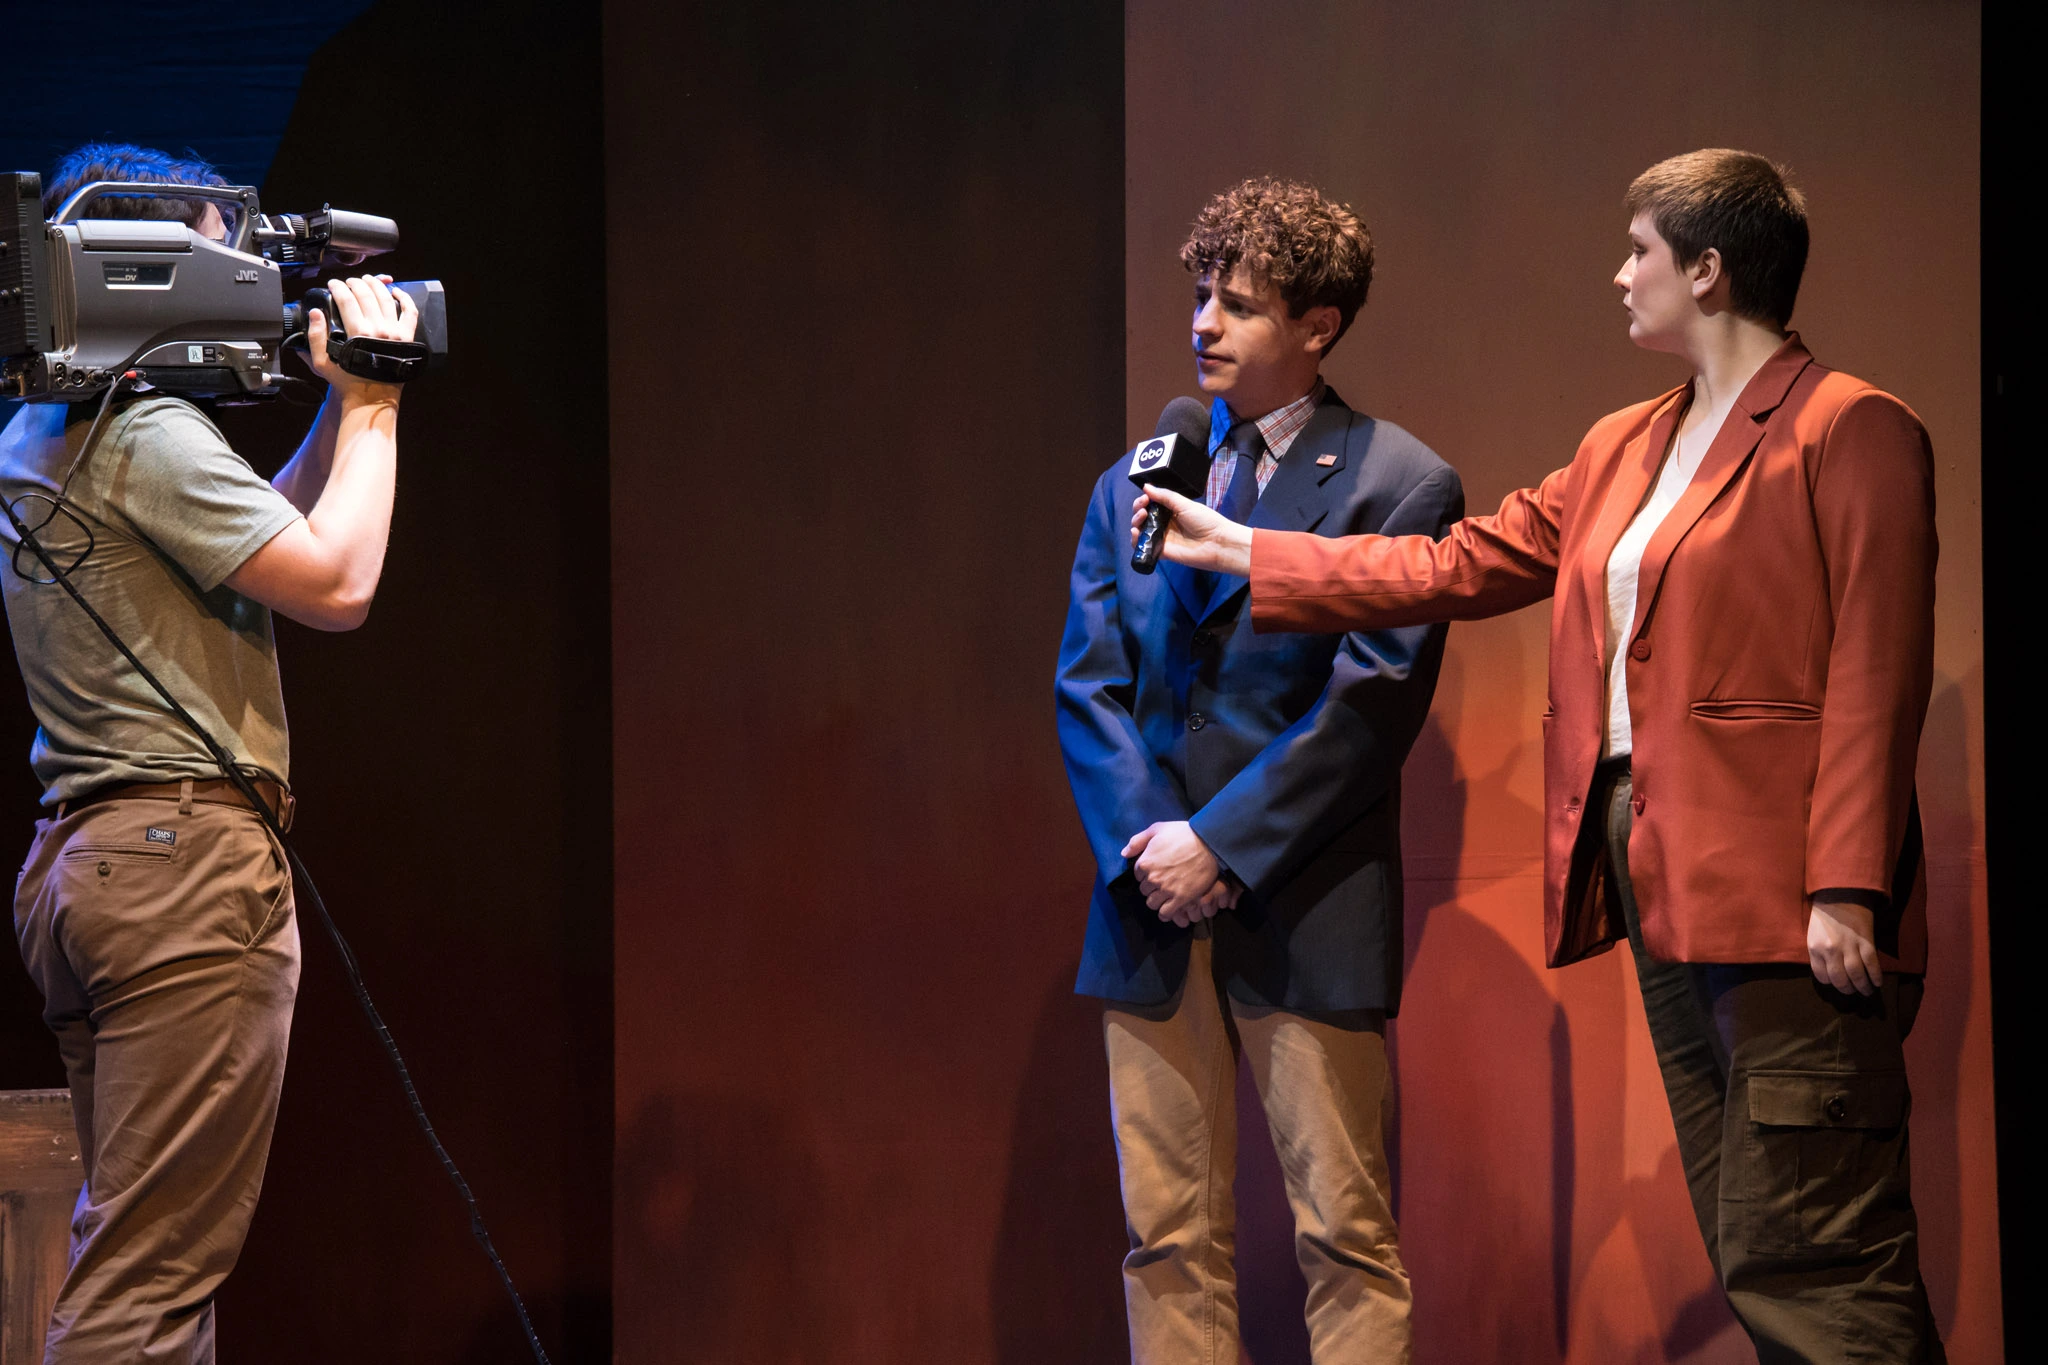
(300, 876)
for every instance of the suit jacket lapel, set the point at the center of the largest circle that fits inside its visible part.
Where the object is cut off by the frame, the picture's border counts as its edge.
(1296, 498)
(1189, 585)
(1734, 443)
(1637, 468)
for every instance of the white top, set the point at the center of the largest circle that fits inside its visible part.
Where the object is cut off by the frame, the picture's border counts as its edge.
(1680, 464)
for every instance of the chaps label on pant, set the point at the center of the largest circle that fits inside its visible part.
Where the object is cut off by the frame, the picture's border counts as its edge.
(161, 836)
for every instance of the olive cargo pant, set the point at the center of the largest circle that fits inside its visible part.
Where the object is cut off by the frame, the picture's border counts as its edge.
(162, 936)
(1324, 1082)
(1790, 1103)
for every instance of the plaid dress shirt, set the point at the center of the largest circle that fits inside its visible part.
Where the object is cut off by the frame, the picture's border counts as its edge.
(1279, 427)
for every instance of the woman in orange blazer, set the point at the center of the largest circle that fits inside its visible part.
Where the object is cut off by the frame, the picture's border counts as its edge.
(1741, 650)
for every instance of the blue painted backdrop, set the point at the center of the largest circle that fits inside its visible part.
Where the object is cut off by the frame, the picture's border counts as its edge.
(216, 79)
(207, 78)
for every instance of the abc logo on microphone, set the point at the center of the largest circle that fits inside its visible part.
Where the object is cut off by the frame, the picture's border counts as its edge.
(1152, 452)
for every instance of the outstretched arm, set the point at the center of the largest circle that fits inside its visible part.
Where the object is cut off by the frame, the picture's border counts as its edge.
(1483, 567)
(1301, 581)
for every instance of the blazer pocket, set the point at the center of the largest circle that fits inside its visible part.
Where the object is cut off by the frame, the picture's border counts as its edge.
(1755, 710)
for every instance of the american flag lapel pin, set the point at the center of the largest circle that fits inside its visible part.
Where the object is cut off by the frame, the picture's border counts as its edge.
(1325, 461)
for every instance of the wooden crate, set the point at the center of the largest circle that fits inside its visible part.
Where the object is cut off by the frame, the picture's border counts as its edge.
(39, 1179)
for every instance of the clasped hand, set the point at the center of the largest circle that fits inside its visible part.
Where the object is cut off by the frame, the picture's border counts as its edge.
(1178, 875)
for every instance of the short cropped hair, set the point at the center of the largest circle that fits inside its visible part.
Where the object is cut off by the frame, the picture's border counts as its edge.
(1740, 204)
(125, 161)
(1315, 251)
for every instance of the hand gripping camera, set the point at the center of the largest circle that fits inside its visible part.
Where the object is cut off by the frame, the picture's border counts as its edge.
(84, 300)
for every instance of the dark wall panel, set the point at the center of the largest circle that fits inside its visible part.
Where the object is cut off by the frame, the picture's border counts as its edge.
(867, 334)
(453, 753)
(451, 757)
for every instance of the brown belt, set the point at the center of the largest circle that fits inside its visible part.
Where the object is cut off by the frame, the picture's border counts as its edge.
(209, 791)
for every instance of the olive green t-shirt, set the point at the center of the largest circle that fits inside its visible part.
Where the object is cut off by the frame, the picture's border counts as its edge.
(171, 511)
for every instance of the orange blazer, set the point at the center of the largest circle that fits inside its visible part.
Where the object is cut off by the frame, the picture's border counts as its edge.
(1778, 668)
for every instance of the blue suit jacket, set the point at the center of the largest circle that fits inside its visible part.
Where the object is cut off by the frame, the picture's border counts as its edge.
(1284, 750)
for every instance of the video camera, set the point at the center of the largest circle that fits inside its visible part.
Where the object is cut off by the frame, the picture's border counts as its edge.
(84, 300)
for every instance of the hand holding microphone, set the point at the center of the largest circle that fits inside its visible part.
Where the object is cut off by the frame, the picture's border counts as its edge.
(1169, 517)
(1177, 458)
(1190, 533)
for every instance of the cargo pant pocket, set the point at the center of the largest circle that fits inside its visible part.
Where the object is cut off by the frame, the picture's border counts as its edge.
(1822, 1162)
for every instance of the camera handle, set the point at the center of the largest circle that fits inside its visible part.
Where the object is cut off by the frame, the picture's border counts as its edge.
(354, 237)
(243, 196)
(374, 358)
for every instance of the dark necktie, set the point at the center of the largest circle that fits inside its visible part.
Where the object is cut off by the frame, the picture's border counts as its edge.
(1243, 494)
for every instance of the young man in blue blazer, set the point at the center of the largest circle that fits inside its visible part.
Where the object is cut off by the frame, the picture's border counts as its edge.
(1241, 794)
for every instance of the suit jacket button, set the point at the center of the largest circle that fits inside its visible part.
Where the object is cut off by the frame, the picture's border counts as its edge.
(1196, 720)
(1836, 1108)
(1640, 650)
(1203, 639)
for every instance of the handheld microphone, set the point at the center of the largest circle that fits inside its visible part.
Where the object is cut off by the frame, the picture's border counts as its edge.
(1176, 458)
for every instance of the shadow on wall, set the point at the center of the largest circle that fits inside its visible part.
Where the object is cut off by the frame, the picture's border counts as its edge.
(1484, 1176)
(1488, 1168)
(1055, 1283)
(720, 1191)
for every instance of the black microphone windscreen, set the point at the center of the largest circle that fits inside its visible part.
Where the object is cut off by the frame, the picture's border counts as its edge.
(1188, 417)
(1178, 457)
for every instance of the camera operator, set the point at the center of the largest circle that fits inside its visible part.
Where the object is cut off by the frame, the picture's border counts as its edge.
(155, 910)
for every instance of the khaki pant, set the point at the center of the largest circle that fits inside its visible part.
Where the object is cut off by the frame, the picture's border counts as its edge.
(1790, 1103)
(1324, 1083)
(162, 936)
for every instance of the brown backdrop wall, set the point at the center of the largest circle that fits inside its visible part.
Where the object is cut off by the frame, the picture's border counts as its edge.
(1488, 144)
(865, 281)
(866, 328)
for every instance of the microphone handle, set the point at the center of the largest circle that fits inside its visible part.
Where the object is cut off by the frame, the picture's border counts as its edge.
(1151, 538)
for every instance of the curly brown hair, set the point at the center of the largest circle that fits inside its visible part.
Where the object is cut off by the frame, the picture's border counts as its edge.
(1316, 252)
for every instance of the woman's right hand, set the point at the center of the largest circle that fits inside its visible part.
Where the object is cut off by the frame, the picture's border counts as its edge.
(1197, 537)
(1840, 946)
